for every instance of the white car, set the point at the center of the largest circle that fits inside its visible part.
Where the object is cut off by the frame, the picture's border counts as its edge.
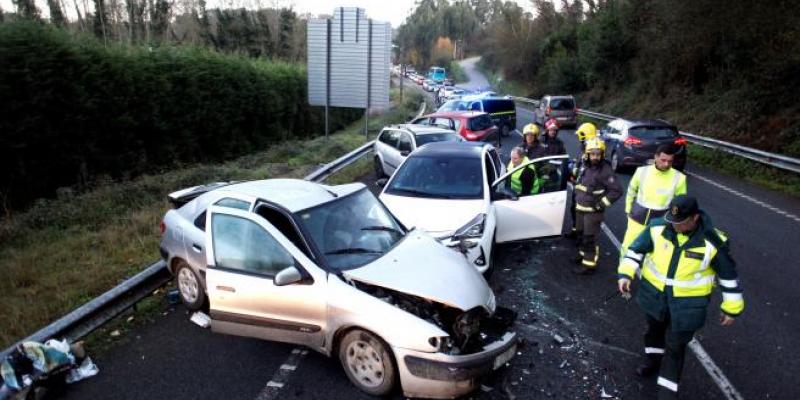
(396, 142)
(329, 267)
(460, 193)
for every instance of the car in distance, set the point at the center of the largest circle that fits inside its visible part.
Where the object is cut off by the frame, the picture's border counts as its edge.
(562, 108)
(632, 143)
(394, 143)
(501, 110)
(460, 193)
(330, 268)
(471, 125)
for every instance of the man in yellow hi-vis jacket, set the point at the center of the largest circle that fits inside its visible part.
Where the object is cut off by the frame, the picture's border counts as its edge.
(651, 189)
(678, 258)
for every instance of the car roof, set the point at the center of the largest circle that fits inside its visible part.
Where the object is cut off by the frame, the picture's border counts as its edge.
(419, 129)
(483, 96)
(452, 149)
(634, 123)
(451, 114)
(292, 194)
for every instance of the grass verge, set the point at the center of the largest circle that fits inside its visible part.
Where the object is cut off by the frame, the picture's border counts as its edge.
(457, 73)
(63, 252)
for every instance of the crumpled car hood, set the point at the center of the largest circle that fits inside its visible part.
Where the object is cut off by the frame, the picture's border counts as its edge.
(438, 216)
(421, 266)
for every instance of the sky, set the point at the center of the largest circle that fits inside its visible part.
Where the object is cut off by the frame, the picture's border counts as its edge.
(392, 11)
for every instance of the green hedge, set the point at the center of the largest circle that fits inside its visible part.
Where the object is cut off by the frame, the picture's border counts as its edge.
(75, 111)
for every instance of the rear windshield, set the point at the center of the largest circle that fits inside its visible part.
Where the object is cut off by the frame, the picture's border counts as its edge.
(437, 137)
(653, 132)
(492, 106)
(562, 104)
(480, 123)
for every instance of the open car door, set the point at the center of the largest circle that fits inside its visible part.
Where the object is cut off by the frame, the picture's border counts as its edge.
(535, 215)
(259, 284)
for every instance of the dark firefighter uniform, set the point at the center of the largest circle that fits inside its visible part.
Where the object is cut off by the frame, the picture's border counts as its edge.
(677, 276)
(596, 188)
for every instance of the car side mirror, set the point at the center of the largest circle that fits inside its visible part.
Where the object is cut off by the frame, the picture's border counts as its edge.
(405, 153)
(288, 276)
(381, 182)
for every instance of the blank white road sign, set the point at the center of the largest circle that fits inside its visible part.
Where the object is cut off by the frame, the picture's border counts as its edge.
(349, 60)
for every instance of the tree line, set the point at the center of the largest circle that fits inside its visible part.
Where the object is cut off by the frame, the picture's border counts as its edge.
(270, 32)
(729, 67)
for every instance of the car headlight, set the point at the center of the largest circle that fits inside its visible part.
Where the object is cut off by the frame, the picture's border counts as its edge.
(472, 229)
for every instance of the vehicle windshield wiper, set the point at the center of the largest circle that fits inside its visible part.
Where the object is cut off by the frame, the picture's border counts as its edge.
(354, 250)
(420, 193)
(381, 228)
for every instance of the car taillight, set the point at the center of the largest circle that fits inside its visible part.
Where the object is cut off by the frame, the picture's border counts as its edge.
(548, 110)
(680, 141)
(632, 141)
(163, 227)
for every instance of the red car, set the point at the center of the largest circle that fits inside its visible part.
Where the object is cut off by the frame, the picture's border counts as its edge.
(471, 125)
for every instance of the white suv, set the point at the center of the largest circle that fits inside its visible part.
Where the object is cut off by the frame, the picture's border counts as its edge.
(396, 142)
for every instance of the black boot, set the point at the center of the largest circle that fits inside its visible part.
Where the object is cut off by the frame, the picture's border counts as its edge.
(649, 366)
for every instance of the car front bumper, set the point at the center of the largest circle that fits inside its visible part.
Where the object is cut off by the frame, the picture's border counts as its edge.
(444, 376)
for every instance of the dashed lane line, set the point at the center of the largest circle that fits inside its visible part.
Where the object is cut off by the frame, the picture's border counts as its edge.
(746, 197)
(710, 366)
(272, 390)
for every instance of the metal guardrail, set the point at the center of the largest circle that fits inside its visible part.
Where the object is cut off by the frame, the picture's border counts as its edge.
(763, 157)
(102, 309)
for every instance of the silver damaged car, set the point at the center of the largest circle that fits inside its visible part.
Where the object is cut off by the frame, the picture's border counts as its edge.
(329, 267)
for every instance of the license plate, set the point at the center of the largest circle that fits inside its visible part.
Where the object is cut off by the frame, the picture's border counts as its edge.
(504, 357)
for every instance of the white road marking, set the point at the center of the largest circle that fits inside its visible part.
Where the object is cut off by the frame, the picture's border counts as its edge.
(746, 197)
(710, 366)
(272, 390)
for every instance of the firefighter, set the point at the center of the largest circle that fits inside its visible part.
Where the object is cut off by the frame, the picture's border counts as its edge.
(530, 142)
(596, 188)
(679, 257)
(651, 189)
(552, 144)
(586, 131)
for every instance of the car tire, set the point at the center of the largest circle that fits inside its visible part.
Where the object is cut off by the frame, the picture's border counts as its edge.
(489, 271)
(378, 168)
(615, 162)
(190, 289)
(367, 362)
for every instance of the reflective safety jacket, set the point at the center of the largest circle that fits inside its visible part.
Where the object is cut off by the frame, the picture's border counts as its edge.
(596, 187)
(650, 192)
(678, 273)
(524, 181)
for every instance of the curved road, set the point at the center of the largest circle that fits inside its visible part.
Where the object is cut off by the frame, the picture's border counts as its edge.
(601, 337)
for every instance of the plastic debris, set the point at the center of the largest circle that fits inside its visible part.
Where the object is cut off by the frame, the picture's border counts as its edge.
(173, 296)
(604, 395)
(563, 364)
(201, 319)
(87, 369)
(115, 333)
(558, 338)
(486, 388)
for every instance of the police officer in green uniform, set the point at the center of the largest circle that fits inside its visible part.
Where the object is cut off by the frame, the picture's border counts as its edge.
(679, 258)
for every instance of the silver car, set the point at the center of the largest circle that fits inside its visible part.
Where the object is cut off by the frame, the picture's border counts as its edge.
(329, 267)
(395, 142)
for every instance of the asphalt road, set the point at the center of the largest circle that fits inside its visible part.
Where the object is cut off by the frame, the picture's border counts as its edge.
(175, 359)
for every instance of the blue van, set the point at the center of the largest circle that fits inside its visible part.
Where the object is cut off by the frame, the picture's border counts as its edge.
(437, 74)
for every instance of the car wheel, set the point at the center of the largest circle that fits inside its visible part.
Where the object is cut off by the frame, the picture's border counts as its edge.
(489, 271)
(190, 289)
(379, 168)
(615, 165)
(367, 362)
